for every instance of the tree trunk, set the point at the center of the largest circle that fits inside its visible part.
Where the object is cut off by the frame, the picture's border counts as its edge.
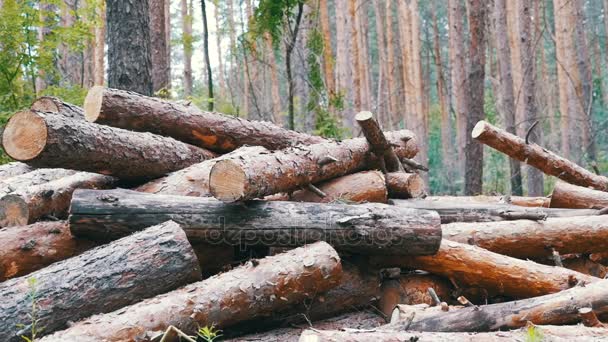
(52, 141)
(207, 61)
(51, 104)
(252, 290)
(328, 59)
(289, 47)
(275, 92)
(391, 67)
(355, 68)
(471, 266)
(240, 179)
(217, 132)
(187, 39)
(514, 44)
(70, 61)
(158, 45)
(48, 200)
(533, 240)
(129, 52)
(536, 156)
(99, 50)
(30, 248)
(344, 60)
(389, 230)
(475, 92)
(194, 180)
(13, 169)
(571, 196)
(461, 211)
(507, 98)
(218, 47)
(107, 278)
(552, 333)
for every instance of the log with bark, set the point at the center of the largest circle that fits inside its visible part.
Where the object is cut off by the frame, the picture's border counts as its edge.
(471, 266)
(577, 333)
(214, 131)
(253, 290)
(557, 308)
(14, 169)
(534, 239)
(51, 104)
(30, 248)
(103, 279)
(532, 202)
(32, 178)
(405, 185)
(249, 177)
(412, 289)
(455, 211)
(537, 156)
(366, 228)
(571, 196)
(193, 180)
(52, 140)
(49, 200)
(582, 263)
(380, 146)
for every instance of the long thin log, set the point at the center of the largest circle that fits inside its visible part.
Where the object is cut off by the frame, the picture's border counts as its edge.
(239, 179)
(471, 266)
(544, 333)
(252, 290)
(27, 205)
(455, 211)
(214, 131)
(532, 202)
(534, 239)
(571, 196)
(367, 228)
(51, 140)
(103, 279)
(537, 156)
(557, 308)
(30, 248)
(13, 169)
(379, 144)
(51, 104)
(194, 180)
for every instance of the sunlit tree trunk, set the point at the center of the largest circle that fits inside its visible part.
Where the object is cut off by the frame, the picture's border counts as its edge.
(459, 80)
(515, 49)
(158, 43)
(100, 42)
(391, 68)
(382, 93)
(418, 107)
(364, 62)
(405, 40)
(356, 65)
(344, 59)
(328, 60)
(187, 43)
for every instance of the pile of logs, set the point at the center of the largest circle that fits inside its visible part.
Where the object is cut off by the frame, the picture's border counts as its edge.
(139, 219)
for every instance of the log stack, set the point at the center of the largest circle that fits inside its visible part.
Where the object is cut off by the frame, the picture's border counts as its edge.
(140, 219)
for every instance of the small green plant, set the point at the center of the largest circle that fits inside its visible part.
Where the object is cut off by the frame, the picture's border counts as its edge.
(207, 334)
(533, 334)
(33, 315)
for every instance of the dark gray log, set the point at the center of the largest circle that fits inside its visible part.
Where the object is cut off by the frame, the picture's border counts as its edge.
(367, 228)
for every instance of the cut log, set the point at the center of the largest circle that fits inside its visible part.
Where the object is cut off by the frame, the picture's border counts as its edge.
(544, 333)
(51, 140)
(103, 279)
(51, 104)
(534, 239)
(557, 308)
(28, 205)
(471, 266)
(360, 187)
(33, 178)
(571, 196)
(367, 228)
(30, 248)
(13, 169)
(404, 185)
(532, 202)
(379, 144)
(472, 212)
(411, 290)
(240, 179)
(193, 180)
(537, 156)
(214, 131)
(252, 290)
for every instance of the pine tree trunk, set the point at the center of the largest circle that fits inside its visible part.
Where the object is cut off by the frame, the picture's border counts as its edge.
(129, 51)
(392, 69)
(275, 93)
(160, 63)
(187, 38)
(207, 60)
(221, 77)
(328, 59)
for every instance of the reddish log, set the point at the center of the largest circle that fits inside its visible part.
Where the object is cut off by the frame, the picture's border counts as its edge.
(571, 196)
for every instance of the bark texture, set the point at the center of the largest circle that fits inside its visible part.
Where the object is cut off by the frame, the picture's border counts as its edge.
(13, 169)
(571, 196)
(552, 333)
(214, 131)
(30, 248)
(275, 283)
(472, 212)
(368, 228)
(51, 104)
(471, 266)
(50, 140)
(103, 279)
(379, 144)
(129, 51)
(239, 179)
(534, 239)
(32, 178)
(405, 185)
(30, 204)
(158, 46)
(536, 156)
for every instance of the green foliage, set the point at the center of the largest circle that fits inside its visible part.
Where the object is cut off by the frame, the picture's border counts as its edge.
(271, 16)
(207, 334)
(34, 329)
(73, 94)
(533, 334)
